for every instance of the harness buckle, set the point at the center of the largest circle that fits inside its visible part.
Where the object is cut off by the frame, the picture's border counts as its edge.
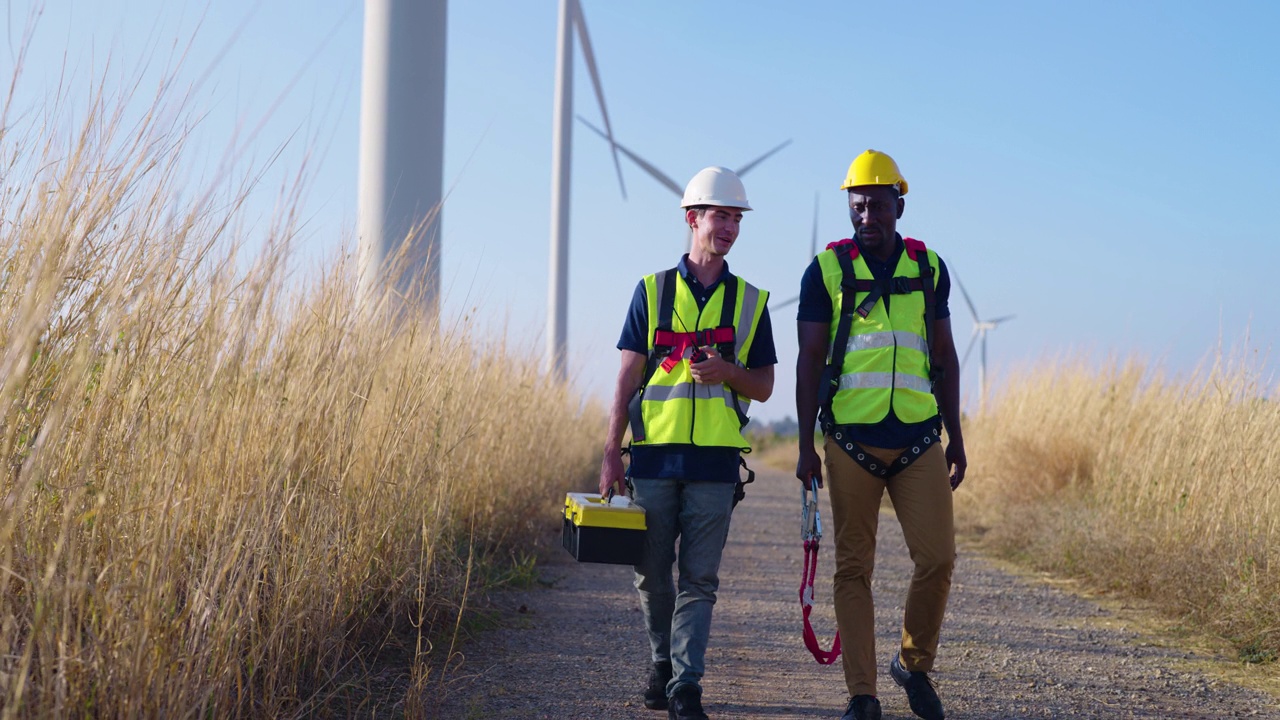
(899, 285)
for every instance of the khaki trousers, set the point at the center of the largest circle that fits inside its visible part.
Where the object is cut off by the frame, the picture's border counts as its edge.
(921, 496)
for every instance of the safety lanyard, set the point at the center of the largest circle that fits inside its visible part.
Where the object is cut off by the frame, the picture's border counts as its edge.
(811, 531)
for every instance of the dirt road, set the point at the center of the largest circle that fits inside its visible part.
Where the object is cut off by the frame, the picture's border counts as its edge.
(1011, 647)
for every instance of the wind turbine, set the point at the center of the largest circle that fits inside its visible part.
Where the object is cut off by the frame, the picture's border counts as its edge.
(662, 178)
(980, 330)
(813, 251)
(401, 166)
(571, 19)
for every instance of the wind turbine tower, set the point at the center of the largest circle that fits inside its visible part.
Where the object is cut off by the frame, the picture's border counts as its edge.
(571, 18)
(980, 330)
(401, 174)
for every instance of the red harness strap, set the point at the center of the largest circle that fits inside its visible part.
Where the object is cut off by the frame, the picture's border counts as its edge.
(912, 245)
(824, 657)
(679, 342)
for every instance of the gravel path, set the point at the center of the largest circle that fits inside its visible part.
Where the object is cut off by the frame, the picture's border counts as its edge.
(1011, 648)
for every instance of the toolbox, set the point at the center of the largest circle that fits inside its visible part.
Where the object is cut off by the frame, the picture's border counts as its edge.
(603, 530)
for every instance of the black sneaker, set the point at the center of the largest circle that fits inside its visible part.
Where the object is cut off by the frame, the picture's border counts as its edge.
(862, 707)
(655, 696)
(686, 704)
(920, 693)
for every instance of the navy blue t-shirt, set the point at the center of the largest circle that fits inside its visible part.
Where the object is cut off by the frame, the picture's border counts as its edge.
(815, 306)
(689, 462)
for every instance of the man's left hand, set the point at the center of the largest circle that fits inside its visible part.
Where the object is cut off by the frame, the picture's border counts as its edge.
(957, 462)
(711, 370)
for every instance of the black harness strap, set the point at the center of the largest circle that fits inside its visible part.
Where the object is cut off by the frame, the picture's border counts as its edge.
(740, 490)
(930, 311)
(890, 286)
(728, 350)
(848, 306)
(666, 305)
(727, 307)
(876, 466)
(667, 300)
(876, 289)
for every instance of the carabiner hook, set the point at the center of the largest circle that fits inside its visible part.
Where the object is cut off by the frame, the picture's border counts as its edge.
(810, 520)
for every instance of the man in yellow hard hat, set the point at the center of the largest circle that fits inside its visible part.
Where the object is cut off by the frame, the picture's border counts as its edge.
(697, 348)
(878, 367)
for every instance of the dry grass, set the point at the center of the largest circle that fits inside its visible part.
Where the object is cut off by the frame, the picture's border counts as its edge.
(223, 494)
(1164, 491)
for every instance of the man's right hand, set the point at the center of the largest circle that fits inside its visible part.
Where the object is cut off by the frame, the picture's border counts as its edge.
(809, 466)
(612, 474)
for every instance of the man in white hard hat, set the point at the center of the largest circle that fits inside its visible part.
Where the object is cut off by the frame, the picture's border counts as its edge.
(877, 358)
(697, 348)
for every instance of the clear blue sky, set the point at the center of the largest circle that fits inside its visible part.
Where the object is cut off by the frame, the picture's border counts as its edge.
(1107, 171)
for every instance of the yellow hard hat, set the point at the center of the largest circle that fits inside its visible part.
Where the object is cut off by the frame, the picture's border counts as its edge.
(874, 168)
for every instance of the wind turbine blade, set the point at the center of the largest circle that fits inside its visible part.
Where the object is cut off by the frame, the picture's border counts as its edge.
(747, 168)
(588, 55)
(813, 242)
(1001, 319)
(972, 310)
(972, 339)
(654, 172)
(784, 303)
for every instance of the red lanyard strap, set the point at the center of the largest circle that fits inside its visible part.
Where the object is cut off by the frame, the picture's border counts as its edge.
(679, 342)
(811, 530)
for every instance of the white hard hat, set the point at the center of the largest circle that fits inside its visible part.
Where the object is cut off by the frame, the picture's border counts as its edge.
(715, 186)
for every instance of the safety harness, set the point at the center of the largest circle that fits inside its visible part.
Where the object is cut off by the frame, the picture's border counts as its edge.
(669, 348)
(876, 288)
(811, 532)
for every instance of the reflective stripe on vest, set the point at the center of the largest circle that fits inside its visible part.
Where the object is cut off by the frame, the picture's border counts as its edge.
(872, 340)
(674, 408)
(886, 361)
(687, 391)
(884, 381)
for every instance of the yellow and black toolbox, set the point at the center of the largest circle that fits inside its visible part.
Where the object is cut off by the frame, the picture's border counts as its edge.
(603, 530)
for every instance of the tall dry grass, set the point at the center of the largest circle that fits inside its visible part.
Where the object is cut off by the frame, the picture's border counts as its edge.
(1162, 490)
(223, 494)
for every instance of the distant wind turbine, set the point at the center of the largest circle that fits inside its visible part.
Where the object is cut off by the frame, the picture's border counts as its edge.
(571, 19)
(980, 330)
(813, 252)
(662, 178)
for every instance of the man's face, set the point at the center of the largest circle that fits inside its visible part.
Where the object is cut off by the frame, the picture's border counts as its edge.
(874, 210)
(714, 229)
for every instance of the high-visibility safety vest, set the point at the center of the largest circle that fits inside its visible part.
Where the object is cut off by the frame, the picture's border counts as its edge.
(886, 359)
(670, 407)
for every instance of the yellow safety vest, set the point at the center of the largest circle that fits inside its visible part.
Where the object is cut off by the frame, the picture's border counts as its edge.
(675, 410)
(886, 360)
